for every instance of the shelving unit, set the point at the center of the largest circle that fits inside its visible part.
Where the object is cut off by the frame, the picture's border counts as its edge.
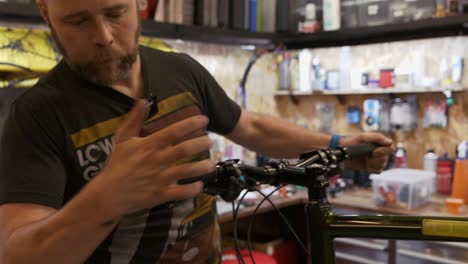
(17, 12)
(29, 14)
(209, 34)
(369, 91)
(428, 28)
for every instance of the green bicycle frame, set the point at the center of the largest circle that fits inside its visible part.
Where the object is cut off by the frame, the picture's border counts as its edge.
(324, 227)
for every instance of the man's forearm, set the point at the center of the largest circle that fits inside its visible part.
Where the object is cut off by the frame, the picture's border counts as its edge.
(275, 137)
(68, 236)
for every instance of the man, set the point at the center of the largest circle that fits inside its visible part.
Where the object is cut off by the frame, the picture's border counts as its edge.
(65, 199)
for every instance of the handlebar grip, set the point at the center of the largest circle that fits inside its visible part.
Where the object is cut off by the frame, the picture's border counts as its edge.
(361, 150)
(204, 178)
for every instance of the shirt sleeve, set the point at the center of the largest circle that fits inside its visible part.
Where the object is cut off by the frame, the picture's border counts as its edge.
(222, 111)
(32, 169)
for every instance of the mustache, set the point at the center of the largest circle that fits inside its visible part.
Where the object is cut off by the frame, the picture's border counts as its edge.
(104, 55)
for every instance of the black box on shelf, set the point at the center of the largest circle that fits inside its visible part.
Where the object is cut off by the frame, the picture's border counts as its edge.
(349, 14)
(463, 8)
(373, 12)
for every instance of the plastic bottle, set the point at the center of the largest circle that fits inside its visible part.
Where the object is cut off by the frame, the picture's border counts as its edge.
(430, 161)
(310, 23)
(331, 15)
(284, 69)
(401, 157)
(345, 67)
(440, 9)
(430, 164)
(305, 66)
(462, 150)
(460, 179)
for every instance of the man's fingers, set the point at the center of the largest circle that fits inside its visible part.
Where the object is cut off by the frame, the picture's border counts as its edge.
(376, 165)
(188, 170)
(383, 151)
(133, 122)
(186, 149)
(185, 191)
(177, 132)
(375, 138)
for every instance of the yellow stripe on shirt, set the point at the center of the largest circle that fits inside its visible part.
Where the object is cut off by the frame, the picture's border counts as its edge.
(108, 127)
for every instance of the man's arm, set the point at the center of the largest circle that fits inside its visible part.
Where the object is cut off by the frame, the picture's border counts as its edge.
(141, 172)
(45, 235)
(280, 139)
(275, 137)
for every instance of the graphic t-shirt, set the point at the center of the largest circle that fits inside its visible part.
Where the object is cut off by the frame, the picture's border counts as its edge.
(60, 132)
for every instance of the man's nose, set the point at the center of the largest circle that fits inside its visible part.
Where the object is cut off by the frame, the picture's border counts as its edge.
(103, 34)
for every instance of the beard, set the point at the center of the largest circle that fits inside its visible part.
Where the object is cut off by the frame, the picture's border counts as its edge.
(107, 66)
(113, 68)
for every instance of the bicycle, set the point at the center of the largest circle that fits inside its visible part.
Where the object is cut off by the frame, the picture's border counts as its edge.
(312, 171)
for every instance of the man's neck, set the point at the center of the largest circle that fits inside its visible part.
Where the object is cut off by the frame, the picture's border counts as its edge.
(133, 86)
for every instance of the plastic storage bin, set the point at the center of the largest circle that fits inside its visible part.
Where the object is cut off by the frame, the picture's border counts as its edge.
(403, 188)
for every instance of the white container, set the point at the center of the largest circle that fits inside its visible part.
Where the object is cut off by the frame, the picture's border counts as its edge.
(305, 67)
(403, 188)
(462, 150)
(345, 67)
(331, 15)
(430, 164)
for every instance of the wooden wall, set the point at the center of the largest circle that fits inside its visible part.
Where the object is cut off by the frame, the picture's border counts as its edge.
(228, 63)
(417, 142)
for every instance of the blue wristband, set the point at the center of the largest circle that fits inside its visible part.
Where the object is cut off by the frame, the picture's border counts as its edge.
(334, 141)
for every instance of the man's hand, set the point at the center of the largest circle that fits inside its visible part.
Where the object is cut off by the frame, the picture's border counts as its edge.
(142, 172)
(378, 160)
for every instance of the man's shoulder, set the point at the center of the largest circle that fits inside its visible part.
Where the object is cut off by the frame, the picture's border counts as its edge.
(35, 99)
(59, 74)
(149, 52)
(43, 92)
(154, 57)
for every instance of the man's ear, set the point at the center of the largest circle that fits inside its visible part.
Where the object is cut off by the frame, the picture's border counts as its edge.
(43, 9)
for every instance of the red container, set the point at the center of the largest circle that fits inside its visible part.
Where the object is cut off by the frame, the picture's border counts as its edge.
(147, 8)
(444, 176)
(386, 79)
(229, 257)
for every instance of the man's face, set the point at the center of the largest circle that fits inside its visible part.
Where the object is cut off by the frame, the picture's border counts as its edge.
(98, 38)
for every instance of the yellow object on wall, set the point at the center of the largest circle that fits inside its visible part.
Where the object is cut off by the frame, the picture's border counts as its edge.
(26, 49)
(18, 84)
(155, 44)
(34, 49)
(33, 52)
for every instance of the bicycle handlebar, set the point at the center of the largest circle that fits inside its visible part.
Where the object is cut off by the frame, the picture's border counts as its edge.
(360, 150)
(230, 178)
